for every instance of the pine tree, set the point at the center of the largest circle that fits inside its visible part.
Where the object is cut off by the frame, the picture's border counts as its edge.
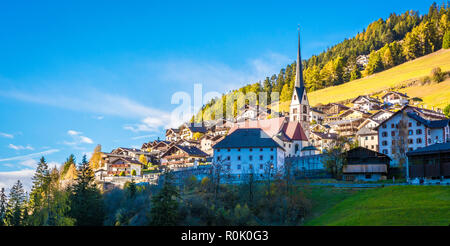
(69, 162)
(40, 189)
(3, 206)
(86, 205)
(15, 205)
(165, 204)
(446, 40)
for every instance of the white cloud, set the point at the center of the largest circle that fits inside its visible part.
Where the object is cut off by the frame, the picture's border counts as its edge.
(29, 163)
(20, 147)
(77, 139)
(6, 135)
(29, 156)
(7, 179)
(73, 133)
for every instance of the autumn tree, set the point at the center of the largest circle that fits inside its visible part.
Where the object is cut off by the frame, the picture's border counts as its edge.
(96, 157)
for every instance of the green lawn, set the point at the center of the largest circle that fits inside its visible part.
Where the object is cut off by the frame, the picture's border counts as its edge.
(394, 205)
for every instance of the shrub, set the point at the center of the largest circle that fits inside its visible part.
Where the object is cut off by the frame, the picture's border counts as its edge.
(122, 173)
(437, 75)
(447, 110)
(133, 172)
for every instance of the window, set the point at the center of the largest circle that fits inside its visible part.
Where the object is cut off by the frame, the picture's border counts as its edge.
(260, 157)
(372, 138)
(429, 132)
(229, 150)
(392, 125)
(295, 97)
(271, 149)
(384, 134)
(296, 148)
(409, 124)
(419, 131)
(429, 140)
(305, 109)
(295, 118)
(218, 158)
(218, 150)
(261, 166)
(251, 149)
(418, 124)
(368, 176)
(385, 151)
(410, 141)
(304, 118)
(228, 158)
(239, 157)
(384, 125)
(410, 149)
(294, 111)
(393, 142)
(261, 149)
(250, 166)
(239, 150)
(271, 157)
(367, 138)
(410, 132)
(393, 133)
(384, 143)
(250, 157)
(419, 140)
(238, 167)
(372, 147)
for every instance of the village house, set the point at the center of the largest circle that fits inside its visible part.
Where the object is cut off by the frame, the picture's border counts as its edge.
(381, 115)
(316, 116)
(172, 134)
(117, 166)
(394, 97)
(207, 142)
(188, 130)
(421, 132)
(365, 165)
(249, 151)
(367, 136)
(322, 140)
(332, 108)
(181, 157)
(431, 162)
(366, 103)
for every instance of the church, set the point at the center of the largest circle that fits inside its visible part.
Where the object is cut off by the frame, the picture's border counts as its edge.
(299, 107)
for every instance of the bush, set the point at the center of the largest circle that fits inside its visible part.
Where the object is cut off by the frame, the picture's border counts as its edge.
(447, 110)
(133, 172)
(122, 173)
(437, 75)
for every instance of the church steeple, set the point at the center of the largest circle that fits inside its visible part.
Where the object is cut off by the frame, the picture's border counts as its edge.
(299, 69)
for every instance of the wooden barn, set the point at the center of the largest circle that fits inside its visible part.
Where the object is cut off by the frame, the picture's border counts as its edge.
(365, 165)
(431, 162)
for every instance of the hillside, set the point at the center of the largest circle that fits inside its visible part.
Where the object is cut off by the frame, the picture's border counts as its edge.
(401, 74)
(394, 205)
(434, 94)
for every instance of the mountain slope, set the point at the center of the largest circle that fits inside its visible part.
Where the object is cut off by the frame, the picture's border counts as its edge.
(394, 77)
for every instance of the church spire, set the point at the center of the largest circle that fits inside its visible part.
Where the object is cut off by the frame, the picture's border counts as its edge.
(299, 69)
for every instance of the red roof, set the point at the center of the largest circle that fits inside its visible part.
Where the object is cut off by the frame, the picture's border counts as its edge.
(294, 130)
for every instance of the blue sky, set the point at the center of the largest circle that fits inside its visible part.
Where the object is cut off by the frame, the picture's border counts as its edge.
(74, 74)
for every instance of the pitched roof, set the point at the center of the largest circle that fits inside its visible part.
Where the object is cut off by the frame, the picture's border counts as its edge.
(395, 92)
(247, 138)
(299, 91)
(429, 123)
(270, 126)
(431, 149)
(190, 150)
(294, 131)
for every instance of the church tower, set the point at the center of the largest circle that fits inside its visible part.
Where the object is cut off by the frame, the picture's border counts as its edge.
(299, 107)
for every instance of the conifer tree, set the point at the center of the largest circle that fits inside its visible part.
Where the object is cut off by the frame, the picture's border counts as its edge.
(86, 204)
(40, 189)
(15, 205)
(3, 206)
(164, 211)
